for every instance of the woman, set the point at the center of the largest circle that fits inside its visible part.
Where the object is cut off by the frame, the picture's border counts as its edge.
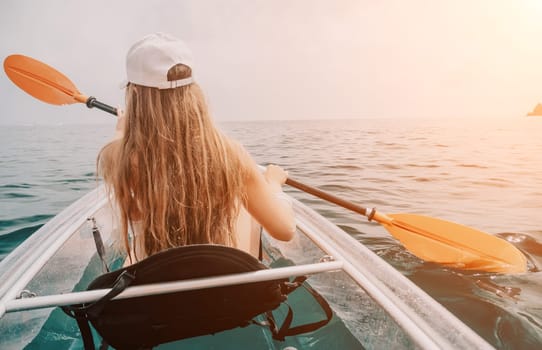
(176, 179)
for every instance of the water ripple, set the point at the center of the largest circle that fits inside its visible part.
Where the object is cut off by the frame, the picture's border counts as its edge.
(15, 195)
(21, 185)
(472, 166)
(24, 220)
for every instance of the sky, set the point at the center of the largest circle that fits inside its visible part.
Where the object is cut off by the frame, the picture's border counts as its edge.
(292, 59)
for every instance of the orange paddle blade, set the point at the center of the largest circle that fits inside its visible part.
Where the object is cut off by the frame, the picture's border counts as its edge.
(453, 244)
(41, 81)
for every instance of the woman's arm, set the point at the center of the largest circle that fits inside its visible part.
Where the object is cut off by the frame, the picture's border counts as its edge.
(267, 203)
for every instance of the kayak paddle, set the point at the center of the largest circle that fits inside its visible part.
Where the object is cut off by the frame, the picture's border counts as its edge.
(428, 238)
(47, 84)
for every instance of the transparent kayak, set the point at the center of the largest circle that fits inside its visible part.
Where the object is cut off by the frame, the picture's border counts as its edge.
(374, 306)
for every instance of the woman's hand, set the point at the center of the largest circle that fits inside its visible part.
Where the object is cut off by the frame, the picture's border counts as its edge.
(275, 176)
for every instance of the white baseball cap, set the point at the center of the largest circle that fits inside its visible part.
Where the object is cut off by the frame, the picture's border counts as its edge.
(149, 60)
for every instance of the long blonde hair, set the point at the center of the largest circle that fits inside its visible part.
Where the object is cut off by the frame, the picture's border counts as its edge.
(173, 172)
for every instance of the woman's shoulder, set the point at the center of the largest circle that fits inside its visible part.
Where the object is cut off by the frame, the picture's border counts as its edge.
(238, 150)
(245, 159)
(107, 156)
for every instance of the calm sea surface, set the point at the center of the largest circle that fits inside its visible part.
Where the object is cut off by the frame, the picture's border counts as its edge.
(486, 174)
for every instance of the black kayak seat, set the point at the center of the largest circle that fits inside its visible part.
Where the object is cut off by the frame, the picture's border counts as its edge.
(145, 322)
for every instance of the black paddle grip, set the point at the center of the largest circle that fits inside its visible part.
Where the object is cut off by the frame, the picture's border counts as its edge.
(93, 102)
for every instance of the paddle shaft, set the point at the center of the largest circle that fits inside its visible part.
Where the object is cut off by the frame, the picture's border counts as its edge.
(327, 196)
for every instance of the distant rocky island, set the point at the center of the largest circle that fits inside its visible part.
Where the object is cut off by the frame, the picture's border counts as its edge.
(537, 111)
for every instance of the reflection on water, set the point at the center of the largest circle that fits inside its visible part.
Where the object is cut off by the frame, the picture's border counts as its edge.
(485, 174)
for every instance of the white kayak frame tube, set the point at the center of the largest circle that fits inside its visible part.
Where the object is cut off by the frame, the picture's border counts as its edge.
(32, 303)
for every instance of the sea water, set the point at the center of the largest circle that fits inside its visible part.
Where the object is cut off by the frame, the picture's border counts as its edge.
(482, 173)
